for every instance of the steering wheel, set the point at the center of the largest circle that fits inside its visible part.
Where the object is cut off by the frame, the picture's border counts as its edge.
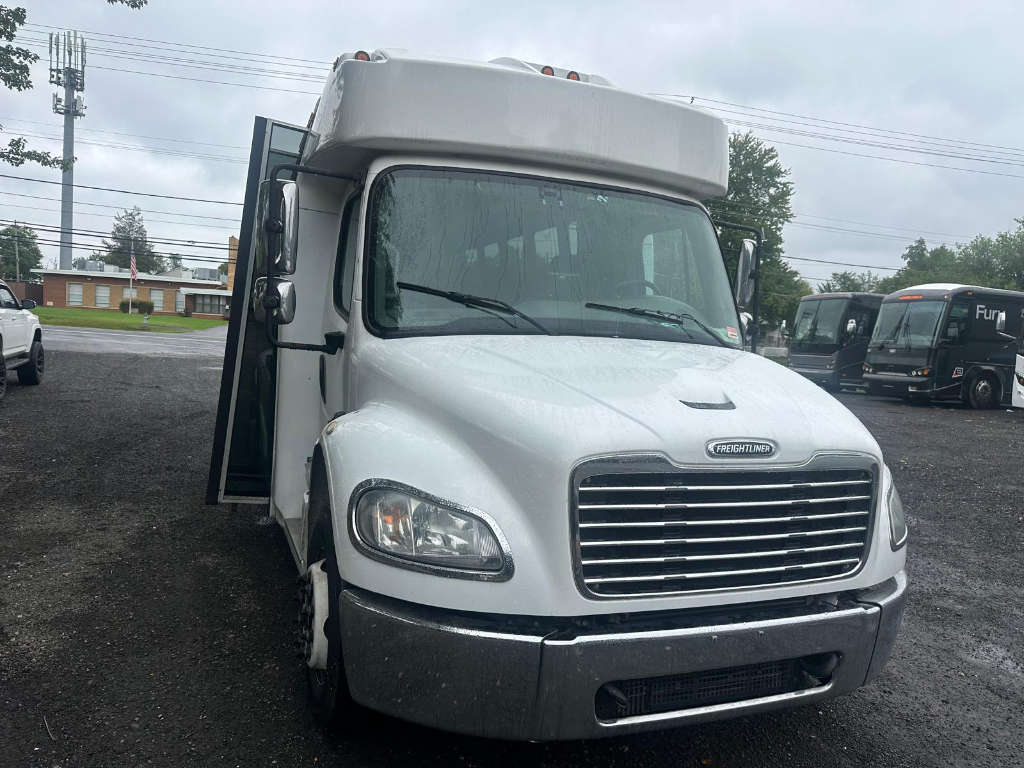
(645, 283)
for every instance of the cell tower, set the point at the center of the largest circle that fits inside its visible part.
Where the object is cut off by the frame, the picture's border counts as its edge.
(67, 69)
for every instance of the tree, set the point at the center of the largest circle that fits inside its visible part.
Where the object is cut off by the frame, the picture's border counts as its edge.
(14, 75)
(759, 195)
(854, 282)
(128, 235)
(29, 255)
(223, 268)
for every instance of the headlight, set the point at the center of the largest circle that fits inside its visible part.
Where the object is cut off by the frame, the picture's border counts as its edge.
(897, 520)
(867, 368)
(401, 524)
(921, 372)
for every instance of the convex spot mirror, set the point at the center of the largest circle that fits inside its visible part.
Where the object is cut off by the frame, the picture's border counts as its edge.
(279, 297)
(279, 214)
(1001, 322)
(851, 327)
(745, 273)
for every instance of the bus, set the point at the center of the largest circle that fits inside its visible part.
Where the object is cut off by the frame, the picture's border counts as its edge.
(830, 337)
(944, 341)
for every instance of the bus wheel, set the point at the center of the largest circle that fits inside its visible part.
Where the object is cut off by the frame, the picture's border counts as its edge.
(983, 393)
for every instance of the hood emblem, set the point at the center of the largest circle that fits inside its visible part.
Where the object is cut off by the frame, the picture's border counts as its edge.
(741, 449)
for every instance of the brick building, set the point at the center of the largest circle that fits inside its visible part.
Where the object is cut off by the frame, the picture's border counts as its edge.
(105, 289)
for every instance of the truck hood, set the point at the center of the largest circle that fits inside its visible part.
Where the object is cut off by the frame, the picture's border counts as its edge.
(564, 398)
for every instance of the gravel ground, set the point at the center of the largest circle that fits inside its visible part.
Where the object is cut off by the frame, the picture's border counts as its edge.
(139, 627)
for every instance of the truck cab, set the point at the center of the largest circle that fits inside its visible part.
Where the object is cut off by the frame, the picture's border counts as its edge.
(485, 366)
(830, 337)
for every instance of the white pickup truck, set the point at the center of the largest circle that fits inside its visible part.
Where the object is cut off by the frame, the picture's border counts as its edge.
(488, 374)
(21, 340)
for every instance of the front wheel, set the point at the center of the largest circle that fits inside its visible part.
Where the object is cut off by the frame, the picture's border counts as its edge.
(3, 374)
(983, 393)
(32, 371)
(327, 688)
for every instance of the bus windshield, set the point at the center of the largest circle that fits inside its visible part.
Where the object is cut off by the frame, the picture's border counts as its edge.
(908, 323)
(818, 323)
(473, 252)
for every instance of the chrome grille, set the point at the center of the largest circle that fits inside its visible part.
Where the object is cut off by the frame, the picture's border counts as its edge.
(642, 534)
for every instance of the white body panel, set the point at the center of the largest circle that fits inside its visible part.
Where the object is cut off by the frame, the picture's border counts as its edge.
(399, 103)
(17, 327)
(1018, 383)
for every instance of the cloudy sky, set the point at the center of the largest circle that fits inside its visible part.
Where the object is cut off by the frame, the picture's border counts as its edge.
(861, 99)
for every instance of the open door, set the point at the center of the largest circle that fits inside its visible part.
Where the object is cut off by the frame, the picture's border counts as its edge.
(242, 457)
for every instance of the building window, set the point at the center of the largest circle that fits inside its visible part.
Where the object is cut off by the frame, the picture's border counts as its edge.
(209, 305)
(129, 293)
(102, 295)
(179, 302)
(157, 297)
(74, 294)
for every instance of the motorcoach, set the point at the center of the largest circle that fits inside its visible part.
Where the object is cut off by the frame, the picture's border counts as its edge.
(830, 337)
(943, 341)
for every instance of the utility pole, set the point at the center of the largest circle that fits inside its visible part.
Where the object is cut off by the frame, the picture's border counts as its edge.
(67, 69)
(17, 261)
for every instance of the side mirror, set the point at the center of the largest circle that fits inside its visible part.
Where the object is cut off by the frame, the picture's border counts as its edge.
(279, 297)
(28, 304)
(851, 327)
(279, 208)
(746, 319)
(1001, 322)
(745, 273)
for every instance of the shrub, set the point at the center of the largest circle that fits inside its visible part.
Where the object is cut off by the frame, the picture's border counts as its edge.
(140, 306)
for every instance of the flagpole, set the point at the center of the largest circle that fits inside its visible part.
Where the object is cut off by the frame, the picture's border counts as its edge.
(131, 274)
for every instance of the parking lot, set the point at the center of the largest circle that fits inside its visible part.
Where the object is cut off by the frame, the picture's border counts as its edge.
(138, 626)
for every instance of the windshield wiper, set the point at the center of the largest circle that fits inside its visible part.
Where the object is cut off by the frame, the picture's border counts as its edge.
(480, 302)
(656, 314)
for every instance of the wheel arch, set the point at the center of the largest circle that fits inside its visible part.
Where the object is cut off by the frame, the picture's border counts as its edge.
(983, 371)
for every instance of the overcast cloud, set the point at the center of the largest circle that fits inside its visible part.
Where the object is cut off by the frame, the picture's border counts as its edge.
(943, 69)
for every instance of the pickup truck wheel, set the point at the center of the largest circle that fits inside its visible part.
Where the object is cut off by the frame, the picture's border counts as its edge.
(3, 374)
(326, 686)
(32, 371)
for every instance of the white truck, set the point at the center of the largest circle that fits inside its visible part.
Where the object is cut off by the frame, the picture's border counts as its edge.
(486, 369)
(21, 340)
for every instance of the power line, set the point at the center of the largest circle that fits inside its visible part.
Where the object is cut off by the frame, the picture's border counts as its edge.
(838, 122)
(121, 207)
(206, 244)
(154, 150)
(202, 80)
(123, 191)
(185, 45)
(94, 249)
(130, 135)
(107, 217)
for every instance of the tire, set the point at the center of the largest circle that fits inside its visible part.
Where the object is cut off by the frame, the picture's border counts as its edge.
(327, 690)
(32, 371)
(3, 373)
(983, 393)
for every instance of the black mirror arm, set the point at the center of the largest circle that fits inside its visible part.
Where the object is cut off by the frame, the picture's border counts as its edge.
(755, 308)
(275, 226)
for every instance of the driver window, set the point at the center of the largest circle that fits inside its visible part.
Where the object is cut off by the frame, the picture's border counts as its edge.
(7, 300)
(344, 270)
(956, 325)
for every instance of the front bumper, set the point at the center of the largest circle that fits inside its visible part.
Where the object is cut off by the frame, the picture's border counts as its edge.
(823, 376)
(520, 678)
(902, 386)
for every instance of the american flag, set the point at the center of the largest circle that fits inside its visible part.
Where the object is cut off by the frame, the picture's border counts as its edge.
(135, 274)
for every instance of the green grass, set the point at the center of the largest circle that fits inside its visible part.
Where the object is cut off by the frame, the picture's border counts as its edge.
(103, 318)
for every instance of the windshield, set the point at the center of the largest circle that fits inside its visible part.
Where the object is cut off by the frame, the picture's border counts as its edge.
(818, 321)
(546, 249)
(908, 323)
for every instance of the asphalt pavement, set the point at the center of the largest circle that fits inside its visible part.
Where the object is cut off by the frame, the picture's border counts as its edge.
(140, 627)
(208, 343)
